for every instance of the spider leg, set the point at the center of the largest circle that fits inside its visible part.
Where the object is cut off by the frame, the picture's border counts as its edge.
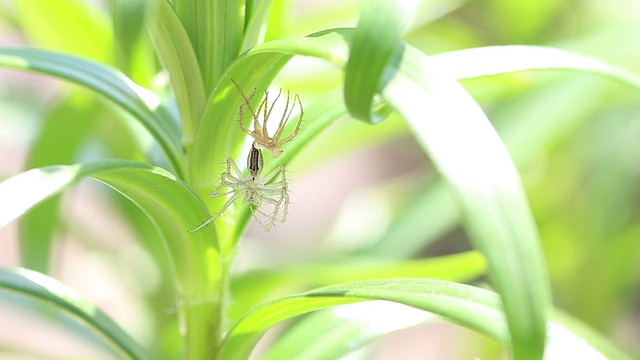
(297, 129)
(260, 131)
(241, 121)
(255, 213)
(268, 114)
(276, 196)
(254, 114)
(231, 165)
(286, 114)
(216, 194)
(281, 205)
(227, 179)
(279, 169)
(270, 219)
(226, 205)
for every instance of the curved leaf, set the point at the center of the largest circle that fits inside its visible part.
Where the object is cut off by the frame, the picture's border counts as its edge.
(334, 333)
(178, 57)
(128, 25)
(170, 205)
(47, 289)
(253, 287)
(473, 160)
(215, 29)
(142, 104)
(337, 332)
(256, 21)
(375, 43)
(470, 306)
(496, 60)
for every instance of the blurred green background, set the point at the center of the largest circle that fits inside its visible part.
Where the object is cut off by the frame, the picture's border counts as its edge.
(575, 138)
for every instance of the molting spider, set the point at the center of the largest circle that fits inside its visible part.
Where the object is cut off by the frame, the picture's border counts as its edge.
(257, 191)
(262, 138)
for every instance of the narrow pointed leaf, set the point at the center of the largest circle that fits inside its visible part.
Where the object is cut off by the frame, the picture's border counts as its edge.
(178, 57)
(49, 290)
(473, 160)
(254, 287)
(256, 27)
(128, 19)
(173, 209)
(141, 103)
(215, 29)
(470, 306)
(375, 42)
(496, 60)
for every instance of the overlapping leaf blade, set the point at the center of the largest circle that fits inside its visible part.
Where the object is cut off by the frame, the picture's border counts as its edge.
(142, 104)
(171, 206)
(49, 290)
(470, 306)
(179, 59)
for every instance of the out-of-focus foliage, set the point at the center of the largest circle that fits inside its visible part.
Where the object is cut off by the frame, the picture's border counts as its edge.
(572, 135)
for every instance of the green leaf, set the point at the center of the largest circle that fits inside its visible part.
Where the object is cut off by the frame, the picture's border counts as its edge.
(49, 290)
(215, 29)
(256, 286)
(470, 306)
(333, 333)
(375, 43)
(141, 103)
(532, 134)
(496, 60)
(471, 157)
(178, 57)
(171, 206)
(128, 19)
(256, 24)
(337, 332)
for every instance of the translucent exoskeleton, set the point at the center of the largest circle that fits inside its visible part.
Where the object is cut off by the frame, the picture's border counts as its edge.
(268, 199)
(260, 133)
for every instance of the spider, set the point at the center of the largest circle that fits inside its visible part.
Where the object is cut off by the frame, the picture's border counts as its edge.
(257, 191)
(260, 134)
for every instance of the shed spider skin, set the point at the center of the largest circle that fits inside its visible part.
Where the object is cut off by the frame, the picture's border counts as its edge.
(257, 191)
(259, 133)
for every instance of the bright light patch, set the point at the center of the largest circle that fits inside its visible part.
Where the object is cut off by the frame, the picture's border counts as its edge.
(381, 317)
(563, 344)
(21, 192)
